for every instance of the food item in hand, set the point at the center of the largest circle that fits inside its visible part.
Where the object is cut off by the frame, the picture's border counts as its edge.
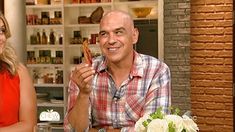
(87, 52)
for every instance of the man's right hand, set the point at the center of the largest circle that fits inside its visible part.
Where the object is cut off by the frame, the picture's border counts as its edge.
(82, 76)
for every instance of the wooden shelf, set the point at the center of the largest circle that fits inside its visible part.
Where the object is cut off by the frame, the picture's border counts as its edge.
(44, 6)
(50, 85)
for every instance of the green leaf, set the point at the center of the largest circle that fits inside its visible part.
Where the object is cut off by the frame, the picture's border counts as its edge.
(177, 111)
(174, 111)
(145, 123)
(171, 127)
(158, 114)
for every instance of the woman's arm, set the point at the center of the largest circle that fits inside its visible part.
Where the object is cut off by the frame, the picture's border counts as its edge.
(28, 107)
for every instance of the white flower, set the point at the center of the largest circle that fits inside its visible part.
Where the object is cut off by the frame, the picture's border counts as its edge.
(177, 121)
(139, 126)
(158, 125)
(189, 124)
(160, 122)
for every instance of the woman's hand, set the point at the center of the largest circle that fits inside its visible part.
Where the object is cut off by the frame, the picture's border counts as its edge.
(82, 76)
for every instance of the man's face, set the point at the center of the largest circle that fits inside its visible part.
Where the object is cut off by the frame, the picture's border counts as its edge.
(116, 37)
(2, 35)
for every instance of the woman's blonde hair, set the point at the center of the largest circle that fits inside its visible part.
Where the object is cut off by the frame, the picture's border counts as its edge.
(8, 55)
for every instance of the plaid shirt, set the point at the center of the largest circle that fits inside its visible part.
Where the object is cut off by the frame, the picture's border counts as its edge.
(147, 87)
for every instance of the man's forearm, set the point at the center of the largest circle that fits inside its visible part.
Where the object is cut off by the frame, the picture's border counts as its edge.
(79, 115)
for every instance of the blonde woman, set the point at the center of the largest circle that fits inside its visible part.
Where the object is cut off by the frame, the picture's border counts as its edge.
(17, 94)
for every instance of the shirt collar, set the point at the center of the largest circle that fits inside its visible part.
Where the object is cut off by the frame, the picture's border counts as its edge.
(136, 70)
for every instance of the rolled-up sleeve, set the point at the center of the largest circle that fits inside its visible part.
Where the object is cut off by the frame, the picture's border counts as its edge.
(159, 94)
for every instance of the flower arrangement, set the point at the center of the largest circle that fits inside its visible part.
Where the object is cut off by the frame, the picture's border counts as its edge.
(160, 122)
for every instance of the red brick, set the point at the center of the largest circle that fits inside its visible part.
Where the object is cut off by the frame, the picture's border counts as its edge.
(197, 90)
(212, 83)
(214, 91)
(215, 61)
(202, 53)
(202, 9)
(228, 2)
(214, 2)
(203, 98)
(197, 2)
(206, 127)
(215, 16)
(228, 61)
(198, 46)
(202, 38)
(209, 31)
(205, 113)
(228, 16)
(214, 106)
(228, 91)
(223, 23)
(212, 98)
(203, 24)
(229, 106)
(228, 121)
(209, 76)
(198, 16)
(223, 8)
(228, 31)
(224, 53)
(198, 105)
(228, 46)
(215, 121)
(214, 46)
(224, 114)
(224, 128)
(197, 60)
(221, 38)
(211, 68)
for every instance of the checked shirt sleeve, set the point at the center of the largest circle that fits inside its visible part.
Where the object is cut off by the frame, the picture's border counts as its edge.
(73, 91)
(159, 94)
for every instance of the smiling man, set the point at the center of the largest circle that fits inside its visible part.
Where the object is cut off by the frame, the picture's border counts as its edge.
(121, 85)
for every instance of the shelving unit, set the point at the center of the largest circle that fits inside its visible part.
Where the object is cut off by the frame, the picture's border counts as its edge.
(70, 54)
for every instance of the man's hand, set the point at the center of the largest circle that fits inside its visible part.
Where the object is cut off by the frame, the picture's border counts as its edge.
(82, 76)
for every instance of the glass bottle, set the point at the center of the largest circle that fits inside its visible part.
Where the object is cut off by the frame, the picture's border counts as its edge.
(44, 37)
(33, 38)
(52, 37)
(38, 37)
(61, 39)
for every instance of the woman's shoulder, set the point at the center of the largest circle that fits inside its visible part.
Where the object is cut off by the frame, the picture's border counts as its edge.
(22, 67)
(22, 70)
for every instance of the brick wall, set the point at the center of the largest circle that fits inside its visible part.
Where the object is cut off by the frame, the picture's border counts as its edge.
(211, 64)
(176, 50)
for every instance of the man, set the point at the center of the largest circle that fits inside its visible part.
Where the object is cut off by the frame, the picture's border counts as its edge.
(121, 85)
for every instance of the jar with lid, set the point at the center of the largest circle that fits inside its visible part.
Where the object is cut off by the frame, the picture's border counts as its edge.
(45, 18)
